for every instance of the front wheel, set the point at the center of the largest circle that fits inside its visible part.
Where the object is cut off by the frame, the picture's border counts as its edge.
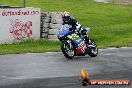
(92, 49)
(68, 50)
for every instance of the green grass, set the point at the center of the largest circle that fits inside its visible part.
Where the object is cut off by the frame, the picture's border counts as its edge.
(111, 24)
(32, 46)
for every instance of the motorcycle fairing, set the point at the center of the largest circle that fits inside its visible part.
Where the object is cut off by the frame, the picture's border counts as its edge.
(79, 43)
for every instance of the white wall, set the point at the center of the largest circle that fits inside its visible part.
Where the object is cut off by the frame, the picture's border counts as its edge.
(18, 24)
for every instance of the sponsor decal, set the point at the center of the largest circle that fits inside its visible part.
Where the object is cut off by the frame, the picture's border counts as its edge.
(87, 81)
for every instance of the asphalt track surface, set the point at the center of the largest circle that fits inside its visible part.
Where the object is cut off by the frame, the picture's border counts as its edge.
(53, 70)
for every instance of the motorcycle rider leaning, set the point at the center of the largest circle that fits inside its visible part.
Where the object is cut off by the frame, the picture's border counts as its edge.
(75, 26)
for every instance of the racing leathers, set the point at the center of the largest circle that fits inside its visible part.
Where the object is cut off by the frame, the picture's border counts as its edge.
(76, 26)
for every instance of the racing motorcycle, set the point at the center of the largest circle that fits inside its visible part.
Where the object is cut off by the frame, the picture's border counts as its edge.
(74, 45)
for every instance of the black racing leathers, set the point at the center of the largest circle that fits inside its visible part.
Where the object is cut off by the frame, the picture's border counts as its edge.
(73, 23)
(76, 26)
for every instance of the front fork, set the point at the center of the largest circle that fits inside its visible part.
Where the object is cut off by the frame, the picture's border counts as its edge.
(69, 42)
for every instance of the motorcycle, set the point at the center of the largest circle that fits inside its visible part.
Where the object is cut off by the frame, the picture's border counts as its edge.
(74, 45)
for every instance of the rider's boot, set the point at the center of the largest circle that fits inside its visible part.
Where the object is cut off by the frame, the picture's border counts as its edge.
(88, 42)
(86, 37)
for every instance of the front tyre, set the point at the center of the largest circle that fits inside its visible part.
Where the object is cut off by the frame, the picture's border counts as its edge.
(68, 50)
(92, 49)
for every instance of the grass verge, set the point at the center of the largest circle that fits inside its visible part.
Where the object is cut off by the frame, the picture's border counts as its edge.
(111, 24)
(30, 46)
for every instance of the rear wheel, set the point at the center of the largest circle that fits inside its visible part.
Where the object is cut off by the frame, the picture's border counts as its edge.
(92, 49)
(68, 50)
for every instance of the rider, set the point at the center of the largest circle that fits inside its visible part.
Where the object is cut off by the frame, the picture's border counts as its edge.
(75, 26)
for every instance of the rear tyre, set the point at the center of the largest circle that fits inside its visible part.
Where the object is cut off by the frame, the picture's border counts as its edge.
(68, 50)
(92, 49)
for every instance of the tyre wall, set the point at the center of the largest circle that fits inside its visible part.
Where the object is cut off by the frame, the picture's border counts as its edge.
(51, 22)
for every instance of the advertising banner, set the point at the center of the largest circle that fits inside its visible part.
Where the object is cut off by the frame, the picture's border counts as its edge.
(18, 24)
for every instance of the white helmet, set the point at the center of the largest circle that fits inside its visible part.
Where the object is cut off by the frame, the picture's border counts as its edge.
(66, 16)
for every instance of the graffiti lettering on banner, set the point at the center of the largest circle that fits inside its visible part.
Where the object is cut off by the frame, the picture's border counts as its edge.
(20, 30)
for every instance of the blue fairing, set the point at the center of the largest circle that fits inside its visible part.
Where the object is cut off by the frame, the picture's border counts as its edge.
(64, 31)
(79, 42)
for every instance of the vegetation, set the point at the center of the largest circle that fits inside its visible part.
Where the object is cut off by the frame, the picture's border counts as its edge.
(111, 24)
(32, 46)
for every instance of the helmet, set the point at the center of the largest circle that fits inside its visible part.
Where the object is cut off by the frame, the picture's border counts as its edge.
(66, 16)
